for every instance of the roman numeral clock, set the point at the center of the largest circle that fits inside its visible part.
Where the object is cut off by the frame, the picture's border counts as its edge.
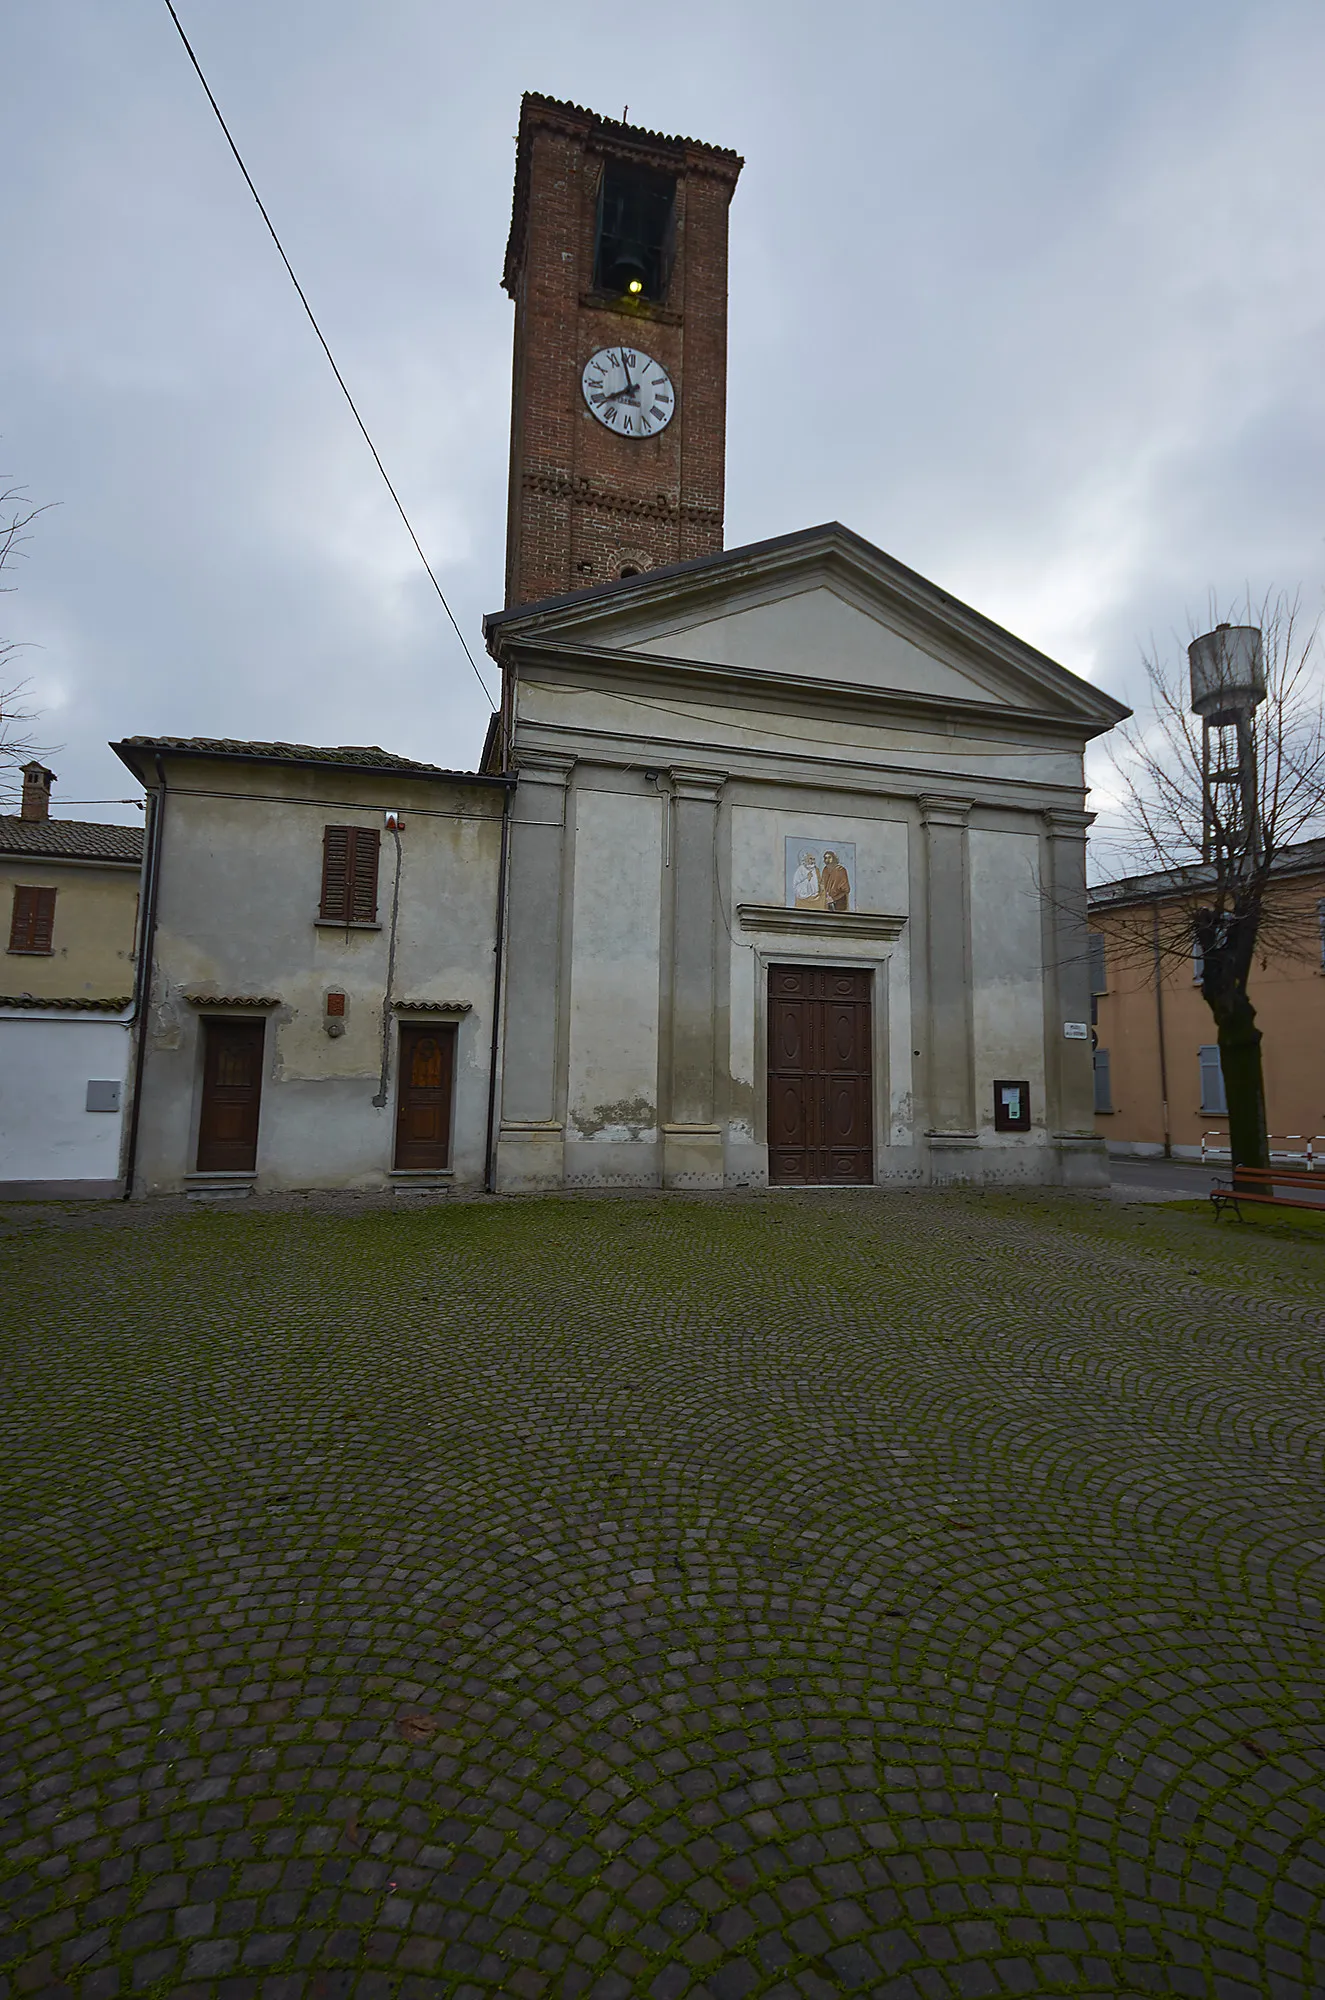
(628, 391)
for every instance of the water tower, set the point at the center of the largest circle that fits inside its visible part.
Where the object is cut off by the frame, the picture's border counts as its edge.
(1228, 684)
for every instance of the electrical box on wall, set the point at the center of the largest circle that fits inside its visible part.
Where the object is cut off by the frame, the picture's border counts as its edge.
(1012, 1106)
(333, 1014)
(104, 1095)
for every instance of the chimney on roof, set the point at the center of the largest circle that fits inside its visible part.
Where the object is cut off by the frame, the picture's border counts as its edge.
(37, 782)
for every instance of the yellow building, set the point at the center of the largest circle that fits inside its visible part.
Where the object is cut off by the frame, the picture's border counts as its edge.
(1158, 1084)
(68, 902)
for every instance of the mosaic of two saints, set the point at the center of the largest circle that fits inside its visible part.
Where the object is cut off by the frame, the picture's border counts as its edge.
(820, 874)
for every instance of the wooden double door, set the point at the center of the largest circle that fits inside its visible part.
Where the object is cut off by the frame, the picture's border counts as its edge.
(820, 1088)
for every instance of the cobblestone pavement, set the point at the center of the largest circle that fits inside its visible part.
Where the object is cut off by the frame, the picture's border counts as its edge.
(793, 1596)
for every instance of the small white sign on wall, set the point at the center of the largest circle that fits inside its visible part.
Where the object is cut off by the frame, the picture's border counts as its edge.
(1076, 1031)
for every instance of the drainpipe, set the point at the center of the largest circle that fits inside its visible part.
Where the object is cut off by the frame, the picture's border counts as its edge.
(143, 982)
(499, 950)
(379, 1101)
(1159, 1018)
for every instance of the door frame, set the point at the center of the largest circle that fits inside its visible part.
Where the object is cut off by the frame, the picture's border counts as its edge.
(225, 1015)
(453, 1018)
(876, 964)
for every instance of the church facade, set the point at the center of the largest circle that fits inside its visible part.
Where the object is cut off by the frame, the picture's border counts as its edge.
(797, 882)
(781, 848)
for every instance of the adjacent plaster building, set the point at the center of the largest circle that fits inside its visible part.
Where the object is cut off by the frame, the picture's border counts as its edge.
(1159, 1088)
(322, 965)
(69, 891)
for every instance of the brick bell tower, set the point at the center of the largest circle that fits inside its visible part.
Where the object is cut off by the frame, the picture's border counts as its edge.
(617, 264)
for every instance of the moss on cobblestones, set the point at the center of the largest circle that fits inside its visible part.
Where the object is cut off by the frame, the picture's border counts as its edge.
(783, 1596)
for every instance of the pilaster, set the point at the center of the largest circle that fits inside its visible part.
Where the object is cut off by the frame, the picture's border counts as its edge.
(692, 1137)
(529, 1149)
(1069, 1071)
(949, 1043)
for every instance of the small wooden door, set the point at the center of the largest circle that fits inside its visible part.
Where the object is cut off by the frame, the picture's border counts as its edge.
(423, 1101)
(820, 1122)
(231, 1095)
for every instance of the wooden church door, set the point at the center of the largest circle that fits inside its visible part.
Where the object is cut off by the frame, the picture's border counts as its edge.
(820, 1123)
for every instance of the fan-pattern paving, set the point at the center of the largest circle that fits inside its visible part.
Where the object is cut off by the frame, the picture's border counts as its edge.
(781, 1596)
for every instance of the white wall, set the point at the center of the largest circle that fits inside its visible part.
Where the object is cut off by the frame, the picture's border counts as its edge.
(47, 1135)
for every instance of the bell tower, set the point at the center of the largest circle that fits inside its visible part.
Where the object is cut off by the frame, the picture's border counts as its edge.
(617, 264)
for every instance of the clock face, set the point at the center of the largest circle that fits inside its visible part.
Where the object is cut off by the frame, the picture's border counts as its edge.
(629, 392)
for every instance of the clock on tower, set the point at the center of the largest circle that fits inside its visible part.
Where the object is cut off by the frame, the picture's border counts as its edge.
(617, 263)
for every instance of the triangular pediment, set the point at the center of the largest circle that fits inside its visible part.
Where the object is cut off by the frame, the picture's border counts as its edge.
(820, 634)
(823, 606)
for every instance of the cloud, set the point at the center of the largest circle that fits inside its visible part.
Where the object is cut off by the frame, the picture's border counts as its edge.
(1032, 296)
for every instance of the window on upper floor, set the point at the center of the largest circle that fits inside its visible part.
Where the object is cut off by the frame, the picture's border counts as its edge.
(32, 924)
(349, 874)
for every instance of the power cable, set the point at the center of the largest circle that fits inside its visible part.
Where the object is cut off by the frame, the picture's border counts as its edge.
(312, 320)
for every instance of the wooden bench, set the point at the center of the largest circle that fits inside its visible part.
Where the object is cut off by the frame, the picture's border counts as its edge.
(1263, 1184)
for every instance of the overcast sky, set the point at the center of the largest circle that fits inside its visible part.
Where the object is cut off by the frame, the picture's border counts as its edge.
(1029, 293)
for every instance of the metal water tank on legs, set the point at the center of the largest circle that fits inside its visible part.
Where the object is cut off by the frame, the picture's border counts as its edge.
(1228, 673)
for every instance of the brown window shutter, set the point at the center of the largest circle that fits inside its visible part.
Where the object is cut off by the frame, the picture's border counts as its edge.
(363, 900)
(349, 873)
(32, 925)
(44, 924)
(336, 872)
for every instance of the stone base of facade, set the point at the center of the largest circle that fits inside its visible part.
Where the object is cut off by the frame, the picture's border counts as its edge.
(1082, 1161)
(955, 1158)
(609, 1163)
(61, 1190)
(693, 1156)
(530, 1158)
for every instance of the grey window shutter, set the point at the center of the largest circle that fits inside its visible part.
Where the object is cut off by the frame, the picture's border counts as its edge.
(1099, 979)
(1212, 1082)
(1103, 1084)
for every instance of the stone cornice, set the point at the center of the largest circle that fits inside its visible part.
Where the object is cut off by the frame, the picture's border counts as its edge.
(826, 923)
(1065, 823)
(757, 765)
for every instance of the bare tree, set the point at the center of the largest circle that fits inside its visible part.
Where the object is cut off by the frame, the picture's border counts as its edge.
(17, 514)
(1225, 896)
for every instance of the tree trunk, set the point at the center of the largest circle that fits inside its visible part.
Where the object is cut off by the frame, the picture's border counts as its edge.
(1244, 1082)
